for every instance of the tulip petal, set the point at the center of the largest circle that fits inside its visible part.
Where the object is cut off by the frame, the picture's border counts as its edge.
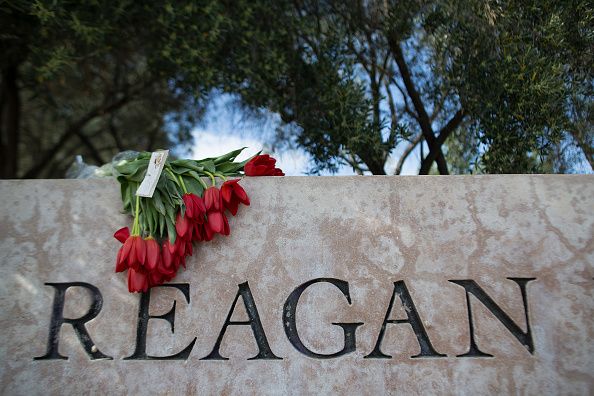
(127, 248)
(189, 203)
(122, 234)
(137, 281)
(132, 257)
(241, 194)
(215, 221)
(121, 265)
(167, 259)
(233, 205)
(189, 248)
(140, 247)
(152, 253)
(226, 228)
(199, 206)
(212, 198)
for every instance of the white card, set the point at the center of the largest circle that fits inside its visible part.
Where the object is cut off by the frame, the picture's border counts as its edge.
(153, 172)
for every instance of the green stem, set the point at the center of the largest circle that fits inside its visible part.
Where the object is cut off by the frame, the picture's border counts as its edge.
(136, 226)
(212, 178)
(201, 182)
(183, 185)
(221, 176)
(175, 180)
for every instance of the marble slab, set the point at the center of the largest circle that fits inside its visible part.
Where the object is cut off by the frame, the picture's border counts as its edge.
(326, 285)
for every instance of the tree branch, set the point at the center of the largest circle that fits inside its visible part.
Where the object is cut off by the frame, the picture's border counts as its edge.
(352, 161)
(423, 117)
(73, 130)
(446, 131)
(92, 149)
(393, 115)
(409, 149)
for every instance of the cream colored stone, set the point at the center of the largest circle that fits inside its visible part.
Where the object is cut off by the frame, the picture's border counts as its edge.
(367, 231)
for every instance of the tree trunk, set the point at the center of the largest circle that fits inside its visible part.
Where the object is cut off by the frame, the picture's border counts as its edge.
(423, 117)
(10, 114)
(374, 165)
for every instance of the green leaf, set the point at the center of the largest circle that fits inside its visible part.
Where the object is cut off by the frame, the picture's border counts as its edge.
(147, 209)
(230, 156)
(234, 167)
(131, 167)
(209, 166)
(159, 202)
(193, 186)
(187, 164)
(161, 222)
(138, 175)
(195, 176)
(242, 163)
(141, 221)
(170, 209)
(179, 169)
(124, 190)
(229, 167)
(155, 219)
(170, 230)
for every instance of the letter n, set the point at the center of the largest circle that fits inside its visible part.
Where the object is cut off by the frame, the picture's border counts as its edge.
(525, 337)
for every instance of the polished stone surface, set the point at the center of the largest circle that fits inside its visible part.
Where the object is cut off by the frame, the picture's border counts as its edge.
(368, 231)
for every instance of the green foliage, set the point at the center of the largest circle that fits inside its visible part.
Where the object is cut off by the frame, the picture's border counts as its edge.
(519, 72)
(487, 86)
(510, 67)
(98, 77)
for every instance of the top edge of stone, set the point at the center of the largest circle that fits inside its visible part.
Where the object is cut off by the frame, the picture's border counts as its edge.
(341, 177)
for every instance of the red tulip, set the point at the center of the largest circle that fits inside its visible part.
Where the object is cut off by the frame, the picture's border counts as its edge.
(208, 233)
(173, 256)
(155, 278)
(153, 254)
(169, 246)
(132, 254)
(180, 246)
(195, 209)
(198, 233)
(138, 280)
(122, 234)
(183, 226)
(167, 259)
(121, 264)
(233, 194)
(212, 199)
(137, 256)
(214, 222)
(226, 230)
(262, 165)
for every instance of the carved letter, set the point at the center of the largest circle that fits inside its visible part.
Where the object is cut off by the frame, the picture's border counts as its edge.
(248, 300)
(290, 326)
(525, 338)
(143, 319)
(58, 320)
(413, 319)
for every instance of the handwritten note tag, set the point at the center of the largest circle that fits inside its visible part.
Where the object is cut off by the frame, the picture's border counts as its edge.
(153, 172)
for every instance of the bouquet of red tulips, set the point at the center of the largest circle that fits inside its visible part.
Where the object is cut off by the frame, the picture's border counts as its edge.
(186, 207)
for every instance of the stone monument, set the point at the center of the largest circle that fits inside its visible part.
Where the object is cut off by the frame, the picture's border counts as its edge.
(343, 285)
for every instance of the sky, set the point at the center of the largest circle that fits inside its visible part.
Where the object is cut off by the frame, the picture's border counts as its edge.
(226, 128)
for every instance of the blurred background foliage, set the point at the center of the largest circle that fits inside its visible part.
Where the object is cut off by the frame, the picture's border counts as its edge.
(474, 86)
